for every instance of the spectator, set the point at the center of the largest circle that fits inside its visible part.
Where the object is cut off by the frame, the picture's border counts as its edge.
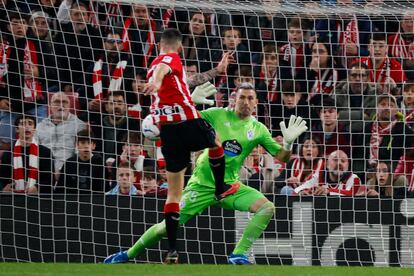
(294, 53)
(401, 45)
(7, 131)
(58, 131)
(84, 172)
(41, 36)
(404, 175)
(384, 71)
(269, 85)
(150, 186)
(28, 168)
(143, 102)
(333, 134)
(50, 8)
(197, 45)
(111, 72)
(349, 33)
(232, 43)
(324, 72)
(356, 96)
(140, 36)
(132, 152)
(336, 180)
(406, 102)
(386, 137)
(78, 45)
(114, 125)
(292, 104)
(107, 15)
(125, 178)
(266, 29)
(382, 182)
(309, 163)
(21, 83)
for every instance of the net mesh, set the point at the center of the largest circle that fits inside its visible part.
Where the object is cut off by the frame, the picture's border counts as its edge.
(78, 69)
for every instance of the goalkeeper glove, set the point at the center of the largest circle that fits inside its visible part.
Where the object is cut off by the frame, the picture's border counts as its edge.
(296, 127)
(201, 92)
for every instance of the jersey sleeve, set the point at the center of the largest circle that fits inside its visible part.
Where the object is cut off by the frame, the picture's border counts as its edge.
(266, 141)
(173, 62)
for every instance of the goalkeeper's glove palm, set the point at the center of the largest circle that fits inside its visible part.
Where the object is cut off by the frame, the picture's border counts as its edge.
(202, 92)
(296, 127)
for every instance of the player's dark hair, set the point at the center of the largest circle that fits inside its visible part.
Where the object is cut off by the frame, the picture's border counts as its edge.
(171, 36)
(247, 86)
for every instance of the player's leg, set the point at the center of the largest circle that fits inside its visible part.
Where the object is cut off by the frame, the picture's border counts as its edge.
(172, 212)
(251, 200)
(177, 157)
(194, 202)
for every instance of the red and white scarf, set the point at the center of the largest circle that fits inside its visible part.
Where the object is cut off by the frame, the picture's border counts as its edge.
(298, 167)
(115, 82)
(293, 56)
(4, 56)
(148, 45)
(271, 80)
(325, 83)
(347, 36)
(382, 73)
(32, 88)
(20, 181)
(400, 48)
(166, 17)
(377, 135)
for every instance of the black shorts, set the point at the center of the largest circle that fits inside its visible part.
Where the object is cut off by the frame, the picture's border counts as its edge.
(178, 140)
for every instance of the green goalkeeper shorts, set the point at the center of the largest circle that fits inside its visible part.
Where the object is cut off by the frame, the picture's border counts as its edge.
(197, 198)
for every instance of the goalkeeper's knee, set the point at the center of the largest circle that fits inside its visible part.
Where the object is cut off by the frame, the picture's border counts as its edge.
(267, 210)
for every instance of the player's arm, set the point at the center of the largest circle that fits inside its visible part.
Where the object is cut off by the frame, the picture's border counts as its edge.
(155, 82)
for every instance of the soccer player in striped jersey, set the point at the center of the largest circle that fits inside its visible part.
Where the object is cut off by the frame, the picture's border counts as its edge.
(182, 130)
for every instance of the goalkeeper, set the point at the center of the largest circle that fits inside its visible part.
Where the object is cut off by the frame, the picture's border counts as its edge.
(240, 134)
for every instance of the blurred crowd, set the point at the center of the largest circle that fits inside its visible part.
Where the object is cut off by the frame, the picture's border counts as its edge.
(71, 101)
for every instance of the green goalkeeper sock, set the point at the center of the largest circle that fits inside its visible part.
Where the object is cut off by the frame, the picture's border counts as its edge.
(255, 228)
(151, 237)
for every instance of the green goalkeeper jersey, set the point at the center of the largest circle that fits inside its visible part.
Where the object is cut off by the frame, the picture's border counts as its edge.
(238, 137)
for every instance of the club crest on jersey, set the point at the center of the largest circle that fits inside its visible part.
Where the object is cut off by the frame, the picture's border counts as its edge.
(167, 59)
(232, 148)
(250, 134)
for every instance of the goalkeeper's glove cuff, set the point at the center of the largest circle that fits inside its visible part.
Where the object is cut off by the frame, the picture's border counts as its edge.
(287, 146)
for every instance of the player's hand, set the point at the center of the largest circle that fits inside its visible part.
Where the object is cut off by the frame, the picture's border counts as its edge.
(296, 127)
(202, 92)
(151, 88)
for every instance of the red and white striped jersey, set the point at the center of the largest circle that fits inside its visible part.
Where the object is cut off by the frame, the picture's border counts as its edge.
(173, 102)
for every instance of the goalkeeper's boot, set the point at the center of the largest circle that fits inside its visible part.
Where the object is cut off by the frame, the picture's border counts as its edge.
(239, 259)
(172, 257)
(230, 189)
(117, 258)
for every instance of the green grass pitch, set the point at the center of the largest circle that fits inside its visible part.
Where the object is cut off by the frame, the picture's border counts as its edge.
(184, 270)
